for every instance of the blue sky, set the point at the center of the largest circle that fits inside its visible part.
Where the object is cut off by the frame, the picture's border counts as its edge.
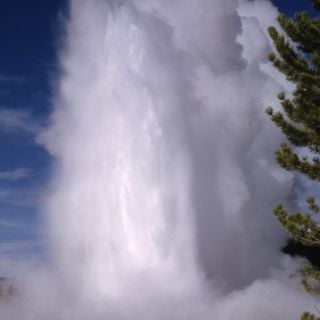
(30, 32)
(289, 7)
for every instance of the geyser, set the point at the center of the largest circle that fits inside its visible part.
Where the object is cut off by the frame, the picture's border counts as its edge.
(160, 204)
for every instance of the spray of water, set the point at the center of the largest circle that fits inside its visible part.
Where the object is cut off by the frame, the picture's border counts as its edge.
(160, 206)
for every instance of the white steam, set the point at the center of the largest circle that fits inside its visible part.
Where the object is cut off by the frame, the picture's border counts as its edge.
(161, 204)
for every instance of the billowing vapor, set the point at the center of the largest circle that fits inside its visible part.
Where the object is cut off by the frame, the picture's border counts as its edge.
(161, 201)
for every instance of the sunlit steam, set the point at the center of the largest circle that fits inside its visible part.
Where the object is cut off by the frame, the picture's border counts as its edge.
(161, 202)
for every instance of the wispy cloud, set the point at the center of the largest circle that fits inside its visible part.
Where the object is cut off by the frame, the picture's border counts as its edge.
(15, 175)
(26, 197)
(17, 120)
(10, 224)
(4, 194)
(6, 79)
(18, 247)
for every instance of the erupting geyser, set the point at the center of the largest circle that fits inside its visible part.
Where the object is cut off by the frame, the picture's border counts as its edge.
(160, 206)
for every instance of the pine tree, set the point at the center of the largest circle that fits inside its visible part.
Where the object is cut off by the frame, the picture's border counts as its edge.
(298, 58)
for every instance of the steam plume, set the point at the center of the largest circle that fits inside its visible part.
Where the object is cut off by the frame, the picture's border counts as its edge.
(160, 207)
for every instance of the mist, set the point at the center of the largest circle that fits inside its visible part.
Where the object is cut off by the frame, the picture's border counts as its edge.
(160, 204)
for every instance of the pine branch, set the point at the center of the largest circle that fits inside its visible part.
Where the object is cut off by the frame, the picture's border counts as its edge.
(302, 227)
(299, 120)
(290, 161)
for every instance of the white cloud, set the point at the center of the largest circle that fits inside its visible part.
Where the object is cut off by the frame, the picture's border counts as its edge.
(4, 194)
(17, 120)
(15, 175)
(28, 197)
(9, 224)
(10, 79)
(18, 247)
